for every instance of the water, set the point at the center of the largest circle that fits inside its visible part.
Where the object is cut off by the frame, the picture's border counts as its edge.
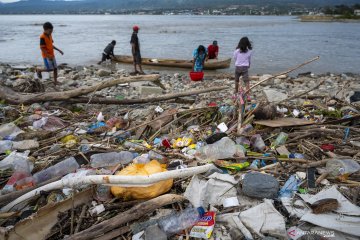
(280, 42)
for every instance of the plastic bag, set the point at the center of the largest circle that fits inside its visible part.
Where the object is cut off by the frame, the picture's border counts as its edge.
(151, 191)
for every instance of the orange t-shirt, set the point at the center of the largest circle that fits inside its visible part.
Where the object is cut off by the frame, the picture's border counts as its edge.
(46, 43)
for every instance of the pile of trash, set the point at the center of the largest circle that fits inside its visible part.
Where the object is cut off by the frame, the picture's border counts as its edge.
(182, 170)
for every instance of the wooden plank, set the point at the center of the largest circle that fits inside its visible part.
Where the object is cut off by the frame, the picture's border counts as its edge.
(284, 122)
(38, 226)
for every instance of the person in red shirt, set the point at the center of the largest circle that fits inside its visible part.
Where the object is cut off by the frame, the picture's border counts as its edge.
(47, 51)
(213, 50)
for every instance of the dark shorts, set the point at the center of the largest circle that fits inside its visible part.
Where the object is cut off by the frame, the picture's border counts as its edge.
(242, 71)
(105, 57)
(50, 64)
(137, 58)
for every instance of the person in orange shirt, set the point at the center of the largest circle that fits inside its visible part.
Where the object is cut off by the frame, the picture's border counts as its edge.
(47, 50)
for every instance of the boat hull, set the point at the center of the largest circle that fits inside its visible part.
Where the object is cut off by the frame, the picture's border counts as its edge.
(211, 64)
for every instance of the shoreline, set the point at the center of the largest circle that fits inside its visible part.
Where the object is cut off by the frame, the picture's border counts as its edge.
(21, 79)
(326, 18)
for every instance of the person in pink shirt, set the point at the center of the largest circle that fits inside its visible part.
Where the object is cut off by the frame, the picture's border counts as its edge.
(242, 58)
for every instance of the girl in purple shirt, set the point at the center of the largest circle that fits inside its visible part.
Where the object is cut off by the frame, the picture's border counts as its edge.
(242, 57)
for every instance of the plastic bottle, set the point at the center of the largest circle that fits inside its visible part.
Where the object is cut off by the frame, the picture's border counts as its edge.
(290, 187)
(258, 143)
(143, 158)
(110, 159)
(224, 148)
(180, 221)
(339, 167)
(280, 140)
(156, 156)
(62, 168)
(5, 145)
(22, 169)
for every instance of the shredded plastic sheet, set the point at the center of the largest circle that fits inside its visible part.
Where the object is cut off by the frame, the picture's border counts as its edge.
(213, 191)
(347, 216)
(264, 219)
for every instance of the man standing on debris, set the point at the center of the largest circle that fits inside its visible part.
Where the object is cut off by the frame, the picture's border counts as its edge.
(213, 50)
(47, 50)
(135, 49)
(108, 52)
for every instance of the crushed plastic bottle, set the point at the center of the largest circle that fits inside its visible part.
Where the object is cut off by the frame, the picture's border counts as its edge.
(224, 148)
(111, 159)
(280, 140)
(177, 222)
(62, 168)
(290, 187)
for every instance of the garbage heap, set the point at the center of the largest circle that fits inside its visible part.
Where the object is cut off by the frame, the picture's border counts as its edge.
(175, 170)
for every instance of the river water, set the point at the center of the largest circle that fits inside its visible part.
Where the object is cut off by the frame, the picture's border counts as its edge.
(279, 42)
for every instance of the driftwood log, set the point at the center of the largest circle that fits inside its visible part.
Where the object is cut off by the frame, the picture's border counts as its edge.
(96, 100)
(12, 97)
(130, 215)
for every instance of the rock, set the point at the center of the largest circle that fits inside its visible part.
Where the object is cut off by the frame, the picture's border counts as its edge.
(149, 90)
(277, 81)
(103, 73)
(284, 76)
(258, 185)
(75, 77)
(274, 95)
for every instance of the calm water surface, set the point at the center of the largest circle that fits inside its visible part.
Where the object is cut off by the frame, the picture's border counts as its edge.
(279, 42)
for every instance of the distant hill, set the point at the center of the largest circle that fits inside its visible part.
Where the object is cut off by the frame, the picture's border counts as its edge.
(60, 6)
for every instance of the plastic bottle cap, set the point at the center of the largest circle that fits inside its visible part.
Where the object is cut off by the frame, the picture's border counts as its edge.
(201, 211)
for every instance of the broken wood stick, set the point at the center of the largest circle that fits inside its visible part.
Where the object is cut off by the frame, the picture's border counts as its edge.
(130, 215)
(10, 96)
(283, 73)
(164, 97)
(302, 94)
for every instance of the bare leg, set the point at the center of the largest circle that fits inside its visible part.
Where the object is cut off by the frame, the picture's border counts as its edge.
(140, 68)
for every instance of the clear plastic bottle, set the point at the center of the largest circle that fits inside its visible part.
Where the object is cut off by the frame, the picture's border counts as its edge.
(258, 143)
(338, 167)
(111, 159)
(156, 156)
(224, 148)
(177, 222)
(62, 168)
(280, 140)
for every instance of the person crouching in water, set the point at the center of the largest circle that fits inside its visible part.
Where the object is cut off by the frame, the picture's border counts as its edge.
(47, 51)
(108, 52)
(242, 57)
(199, 55)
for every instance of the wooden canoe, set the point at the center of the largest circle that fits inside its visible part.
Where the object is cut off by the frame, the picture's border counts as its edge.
(211, 64)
